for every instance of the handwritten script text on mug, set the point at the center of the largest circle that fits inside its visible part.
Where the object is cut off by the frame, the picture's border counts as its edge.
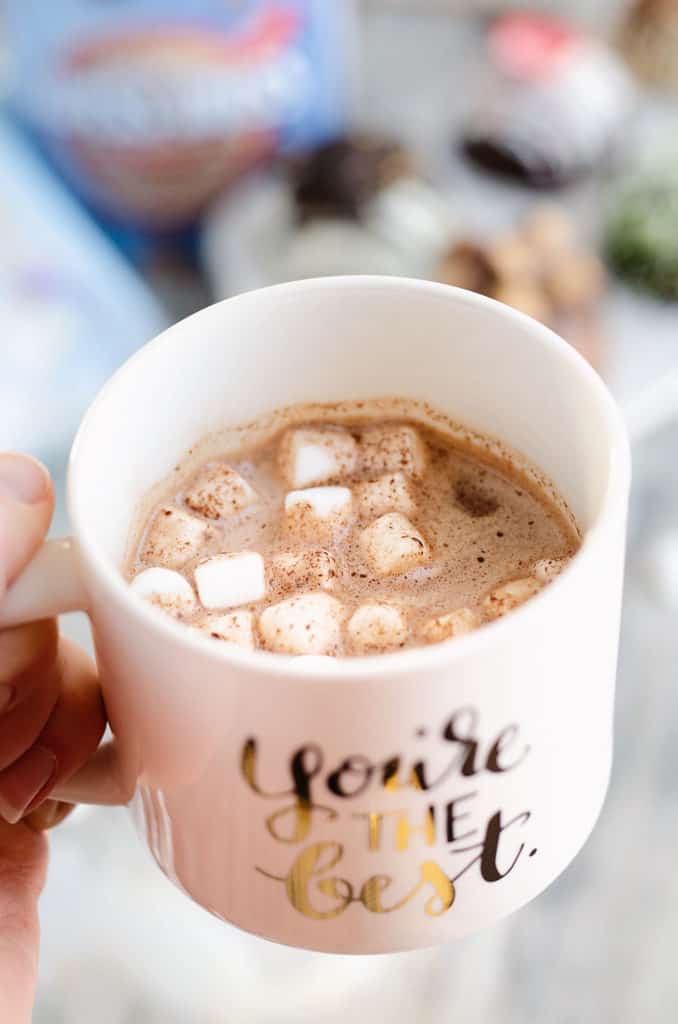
(493, 846)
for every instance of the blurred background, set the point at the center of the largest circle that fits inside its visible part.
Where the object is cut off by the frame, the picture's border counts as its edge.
(157, 155)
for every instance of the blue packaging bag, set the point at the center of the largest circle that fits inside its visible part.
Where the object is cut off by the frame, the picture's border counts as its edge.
(151, 107)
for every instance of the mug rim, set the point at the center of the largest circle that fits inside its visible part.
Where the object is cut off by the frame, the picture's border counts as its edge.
(396, 663)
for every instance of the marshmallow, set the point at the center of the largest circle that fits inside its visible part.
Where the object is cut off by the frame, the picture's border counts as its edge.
(376, 627)
(316, 455)
(219, 492)
(392, 545)
(173, 538)
(228, 580)
(546, 569)
(167, 589)
(304, 624)
(313, 569)
(509, 596)
(456, 623)
(387, 449)
(390, 493)
(317, 511)
(233, 628)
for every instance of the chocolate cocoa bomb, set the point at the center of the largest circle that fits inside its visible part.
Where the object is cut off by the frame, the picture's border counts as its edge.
(341, 177)
(553, 107)
(510, 158)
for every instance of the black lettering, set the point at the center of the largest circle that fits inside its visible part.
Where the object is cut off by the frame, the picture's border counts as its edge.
(302, 773)
(469, 745)
(453, 817)
(356, 765)
(505, 738)
(389, 772)
(489, 849)
(488, 860)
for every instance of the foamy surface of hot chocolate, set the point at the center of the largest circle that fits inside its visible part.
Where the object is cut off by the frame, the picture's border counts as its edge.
(347, 530)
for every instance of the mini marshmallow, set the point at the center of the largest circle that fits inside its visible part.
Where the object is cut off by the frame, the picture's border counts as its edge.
(390, 493)
(546, 569)
(173, 538)
(456, 623)
(374, 628)
(220, 492)
(392, 448)
(165, 588)
(309, 456)
(313, 569)
(304, 624)
(232, 628)
(228, 580)
(317, 511)
(392, 545)
(506, 598)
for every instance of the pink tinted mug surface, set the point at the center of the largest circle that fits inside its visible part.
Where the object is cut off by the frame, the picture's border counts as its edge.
(372, 804)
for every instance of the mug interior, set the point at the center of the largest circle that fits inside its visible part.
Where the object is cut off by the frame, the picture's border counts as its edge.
(337, 339)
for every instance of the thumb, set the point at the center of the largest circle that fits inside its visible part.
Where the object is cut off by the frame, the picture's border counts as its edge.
(23, 863)
(26, 504)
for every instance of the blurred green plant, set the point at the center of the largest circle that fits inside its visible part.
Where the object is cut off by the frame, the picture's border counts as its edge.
(641, 239)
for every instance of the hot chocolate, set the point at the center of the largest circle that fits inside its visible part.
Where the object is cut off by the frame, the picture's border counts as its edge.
(348, 531)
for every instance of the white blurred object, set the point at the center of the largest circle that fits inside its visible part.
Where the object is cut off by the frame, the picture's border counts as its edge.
(654, 407)
(659, 565)
(245, 236)
(252, 239)
(121, 944)
(411, 215)
(71, 309)
(601, 13)
(325, 247)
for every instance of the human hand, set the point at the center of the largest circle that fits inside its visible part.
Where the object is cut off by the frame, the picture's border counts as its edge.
(52, 718)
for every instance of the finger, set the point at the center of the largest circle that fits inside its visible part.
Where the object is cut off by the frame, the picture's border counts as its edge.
(100, 781)
(26, 506)
(50, 814)
(68, 739)
(30, 682)
(78, 721)
(23, 863)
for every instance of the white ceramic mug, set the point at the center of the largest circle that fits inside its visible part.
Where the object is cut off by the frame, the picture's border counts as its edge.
(371, 804)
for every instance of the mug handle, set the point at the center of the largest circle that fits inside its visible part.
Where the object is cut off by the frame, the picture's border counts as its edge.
(49, 586)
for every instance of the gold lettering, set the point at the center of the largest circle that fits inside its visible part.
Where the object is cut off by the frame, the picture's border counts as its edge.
(404, 830)
(248, 759)
(370, 894)
(430, 873)
(321, 857)
(374, 821)
(301, 813)
(392, 783)
(314, 860)
(443, 889)
(248, 767)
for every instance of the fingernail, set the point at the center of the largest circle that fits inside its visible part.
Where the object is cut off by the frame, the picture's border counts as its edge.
(23, 479)
(6, 696)
(23, 782)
